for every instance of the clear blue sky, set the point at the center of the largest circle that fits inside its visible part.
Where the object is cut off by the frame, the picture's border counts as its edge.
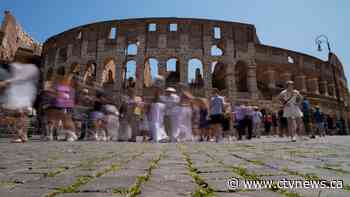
(287, 24)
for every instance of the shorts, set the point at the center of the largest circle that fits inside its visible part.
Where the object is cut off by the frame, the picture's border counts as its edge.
(216, 119)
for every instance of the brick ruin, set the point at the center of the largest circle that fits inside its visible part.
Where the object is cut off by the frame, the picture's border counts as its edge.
(15, 44)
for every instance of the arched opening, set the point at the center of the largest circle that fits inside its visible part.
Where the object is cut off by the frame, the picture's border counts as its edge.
(75, 68)
(219, 75)
(110, 77)
(109, 70)
(195, 73)
(172, 72)
(90, 73)
(150, 71)
(241, 75)
(216, 51)
(130, 74)
(132, 49)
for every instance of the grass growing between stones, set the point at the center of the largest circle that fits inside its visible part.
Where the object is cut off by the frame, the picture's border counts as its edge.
(136, 188)
(334, 169)
(8, 184)
(82, 180)
(56, 172)
(203, 190)
(245, 174)
(72, 188)
(347, 188)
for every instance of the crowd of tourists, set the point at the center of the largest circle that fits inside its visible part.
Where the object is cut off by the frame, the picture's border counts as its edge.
(66, 112)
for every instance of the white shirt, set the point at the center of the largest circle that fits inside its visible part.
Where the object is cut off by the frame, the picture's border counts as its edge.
(22, 90)
(170, 102)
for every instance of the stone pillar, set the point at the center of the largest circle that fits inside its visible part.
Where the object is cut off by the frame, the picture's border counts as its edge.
(99, 72)
(57, 56)
(331, 90)
(139, 76)
(300, 83)
(162, 68)
(140, 67)
(313, 84)
(230, 81)
(252, 83)
(324, 87)
(271, 79)
(69, 51)
(84, 49)
(183, 70)
(118, 79)
(207, 76)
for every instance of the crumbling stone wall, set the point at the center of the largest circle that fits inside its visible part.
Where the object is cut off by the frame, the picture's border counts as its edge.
(12, 37)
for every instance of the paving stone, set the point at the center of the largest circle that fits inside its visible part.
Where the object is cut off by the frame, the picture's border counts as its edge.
(217, 175)
(104, 184)
(22, 167)
(25, 193)
(180, 188)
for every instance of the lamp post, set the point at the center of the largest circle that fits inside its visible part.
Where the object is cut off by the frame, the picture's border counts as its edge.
(319, 41)
(323, 39)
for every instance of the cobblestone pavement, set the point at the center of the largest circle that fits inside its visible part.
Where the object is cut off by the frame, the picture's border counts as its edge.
(95, 169)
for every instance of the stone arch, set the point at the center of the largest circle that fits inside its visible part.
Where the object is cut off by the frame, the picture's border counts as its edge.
(109, 71)
(219, 75)
(129, 74)
(172, 71)
(216, 51)
(195, 73)
(90, 73)
(241, 76)
(151, 71)
(75, 68)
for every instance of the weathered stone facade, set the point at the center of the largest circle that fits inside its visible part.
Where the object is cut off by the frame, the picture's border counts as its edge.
(15, 44)
(250, 71)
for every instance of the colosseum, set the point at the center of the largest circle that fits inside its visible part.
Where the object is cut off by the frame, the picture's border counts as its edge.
(201, 53)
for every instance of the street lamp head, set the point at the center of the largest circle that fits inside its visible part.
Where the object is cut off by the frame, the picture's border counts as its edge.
(319, 48)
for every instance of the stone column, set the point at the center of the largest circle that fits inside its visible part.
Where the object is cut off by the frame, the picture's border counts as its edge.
(331, 90)
(69, 51)
(271, 79)
(252, 83)
(84, 49)
(162, 68)
(118, 79)
(207, 76)
(300, 83)
(139, 75)
(230, 81)
(324, 87)
(140, 67)
(57, 56)
(313, 84)
(183, 70)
